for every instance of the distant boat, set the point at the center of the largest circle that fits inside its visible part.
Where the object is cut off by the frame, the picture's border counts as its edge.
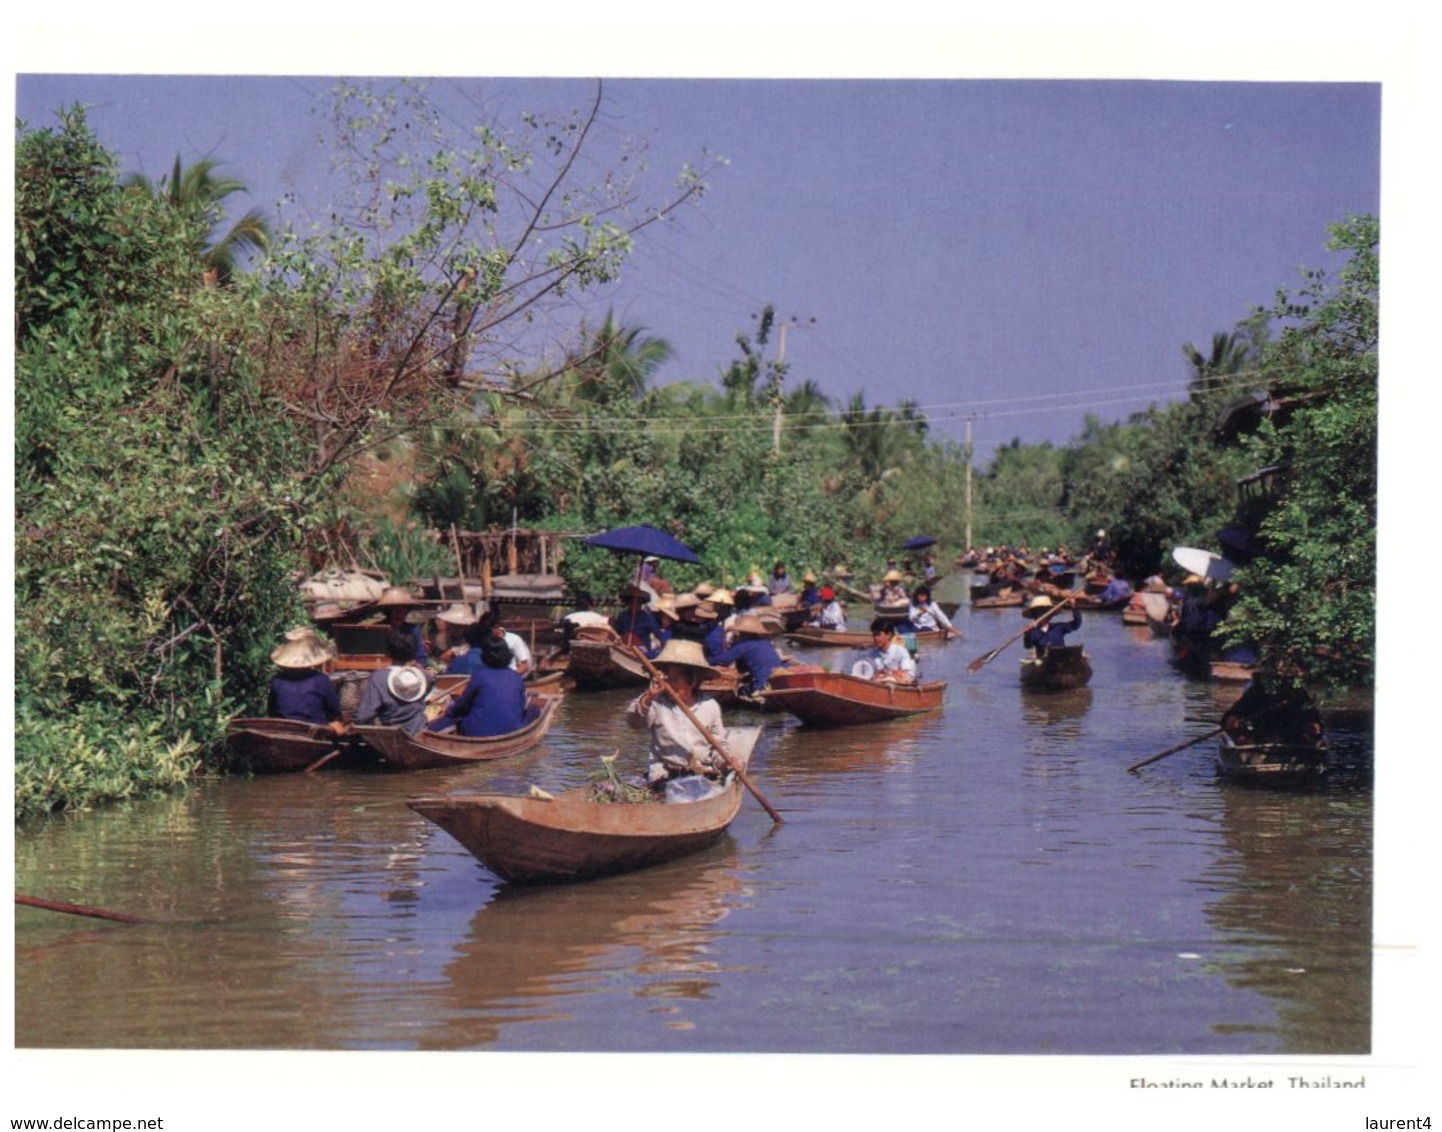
(604, 664)
(836, 698)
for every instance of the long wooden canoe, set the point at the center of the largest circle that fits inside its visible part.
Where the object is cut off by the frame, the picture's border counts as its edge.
(571, 837)
(1002, 600)
(1271, 764)
(836, 698)
(810, 637)
(1059, 667)
(426, 750)
(279, 746)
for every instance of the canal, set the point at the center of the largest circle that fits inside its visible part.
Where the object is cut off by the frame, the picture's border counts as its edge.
(986, 880)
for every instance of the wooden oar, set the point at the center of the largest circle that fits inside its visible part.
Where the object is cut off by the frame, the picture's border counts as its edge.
(716, 744)
(1174, 750)
(986, 658)
(76, 909)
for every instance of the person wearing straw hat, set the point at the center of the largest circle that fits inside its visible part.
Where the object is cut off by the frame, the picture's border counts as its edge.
(301, 690)
(678, 747)
(719, 638)
(753, 654)
(395, 696)
(454, 620)
(396, 604)
(810, 593)
(635, 622)
(689, 626)
(665, 612)
(893, 589)
(1054, 632)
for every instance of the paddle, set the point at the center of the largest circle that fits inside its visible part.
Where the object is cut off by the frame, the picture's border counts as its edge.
(986, 658)
(76, 909)
(1174, 750)
(716, 744)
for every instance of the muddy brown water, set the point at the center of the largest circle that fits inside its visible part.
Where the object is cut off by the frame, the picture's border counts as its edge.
(985, 880)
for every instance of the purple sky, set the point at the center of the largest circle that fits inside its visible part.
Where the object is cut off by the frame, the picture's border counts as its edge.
(1019, 250)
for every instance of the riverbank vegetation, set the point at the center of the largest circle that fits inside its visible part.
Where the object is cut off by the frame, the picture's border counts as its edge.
(188, 441)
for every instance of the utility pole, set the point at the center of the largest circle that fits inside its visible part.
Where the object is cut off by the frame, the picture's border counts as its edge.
(968, 482)
(781, 375)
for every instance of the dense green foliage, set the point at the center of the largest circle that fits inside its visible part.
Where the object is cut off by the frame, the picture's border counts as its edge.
(1310, 604)
(183, 443)
(155, 511)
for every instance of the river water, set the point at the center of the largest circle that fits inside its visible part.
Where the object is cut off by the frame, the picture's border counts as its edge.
(985, 880)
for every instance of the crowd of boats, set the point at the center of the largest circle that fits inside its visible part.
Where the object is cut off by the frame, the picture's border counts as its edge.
(750, 649)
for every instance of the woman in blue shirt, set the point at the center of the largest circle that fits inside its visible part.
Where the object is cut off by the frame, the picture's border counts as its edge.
(301, 690)
(493, 701)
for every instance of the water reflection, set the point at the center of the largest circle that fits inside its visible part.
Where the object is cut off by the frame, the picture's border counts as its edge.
(650, 936)
(1305, 895)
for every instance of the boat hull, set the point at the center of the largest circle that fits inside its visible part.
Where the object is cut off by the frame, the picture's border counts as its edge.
(1286, 765)
(280, 746)
(428, 750)
(837, 698)
(571, 838)
(1062, 667)
(810, 637)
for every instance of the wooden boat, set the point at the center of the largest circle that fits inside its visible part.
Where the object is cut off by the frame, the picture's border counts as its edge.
(604, 664)
(1233, 670)
(426, 750)
(811, 637)
(572, 837)
(835, 698)
(1005, 599)
(1059, 667)
(1136, 611)
(1271, 764)
(280, 746)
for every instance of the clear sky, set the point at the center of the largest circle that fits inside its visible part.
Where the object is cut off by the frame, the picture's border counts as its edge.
(1020, 251)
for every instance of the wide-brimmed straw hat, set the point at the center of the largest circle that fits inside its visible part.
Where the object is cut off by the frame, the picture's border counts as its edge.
(407, 683)
(892, 575)
(397, 597)
(707, 612)
(748, 623)
(665, 605)
(841, 572)
(704, 590)
(457, 614)
(1039, 604)
(1194, 580)
(722, 597)
(685, 654)
(302, 649)
(809, 576)
(685, 601)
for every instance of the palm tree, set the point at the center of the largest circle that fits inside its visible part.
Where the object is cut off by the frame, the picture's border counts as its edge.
(1230, 355)
(196, 192)
(620, 362)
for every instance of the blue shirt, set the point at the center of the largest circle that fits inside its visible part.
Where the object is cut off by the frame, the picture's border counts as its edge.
(493, 702)
(464, 663)
(1051, 634)
(715, 643)
(305, 695)
(642, 627)
(756, 658)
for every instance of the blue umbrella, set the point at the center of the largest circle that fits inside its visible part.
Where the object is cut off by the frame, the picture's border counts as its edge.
(644, 540)
(921, 542)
